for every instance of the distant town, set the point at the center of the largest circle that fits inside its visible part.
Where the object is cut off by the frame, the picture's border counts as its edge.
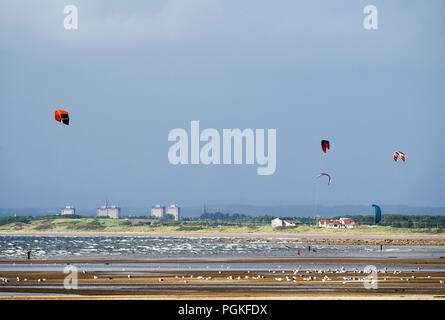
(114, 212)
(162, 212)
(167, 214)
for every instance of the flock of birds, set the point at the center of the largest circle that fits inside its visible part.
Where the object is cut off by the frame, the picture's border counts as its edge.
(18, 279)
(294, 275)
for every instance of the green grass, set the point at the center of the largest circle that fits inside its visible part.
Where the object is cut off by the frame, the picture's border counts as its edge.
(125, 225)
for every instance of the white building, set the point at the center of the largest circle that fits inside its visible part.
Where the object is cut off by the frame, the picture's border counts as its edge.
(173, 209)
(68, 210)
(158, 211)
(277, 222)
(111, 212)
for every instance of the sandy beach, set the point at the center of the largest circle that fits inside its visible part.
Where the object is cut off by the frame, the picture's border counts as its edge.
(289, 278)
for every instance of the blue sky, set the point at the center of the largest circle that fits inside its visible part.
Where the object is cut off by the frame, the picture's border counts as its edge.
(135, 70)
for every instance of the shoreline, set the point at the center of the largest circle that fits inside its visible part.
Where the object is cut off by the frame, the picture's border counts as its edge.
(325, 239)
(225, 234)
(284, 260)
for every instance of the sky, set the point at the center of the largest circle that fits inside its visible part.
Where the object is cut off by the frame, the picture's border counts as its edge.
(135, 70)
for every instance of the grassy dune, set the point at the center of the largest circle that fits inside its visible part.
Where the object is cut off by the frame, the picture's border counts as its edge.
(125, 225)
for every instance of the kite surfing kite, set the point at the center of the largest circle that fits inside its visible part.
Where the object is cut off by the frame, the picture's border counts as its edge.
(378, 213)
(325, 174)
(324, 145)
(397, 154)
(62, 116)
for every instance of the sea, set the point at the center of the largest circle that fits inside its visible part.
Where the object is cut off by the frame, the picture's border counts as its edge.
(158, 247)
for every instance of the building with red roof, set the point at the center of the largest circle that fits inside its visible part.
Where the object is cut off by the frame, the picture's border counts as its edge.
(340, 223)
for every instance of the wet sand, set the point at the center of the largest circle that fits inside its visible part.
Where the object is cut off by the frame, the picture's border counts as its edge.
(291, 278)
